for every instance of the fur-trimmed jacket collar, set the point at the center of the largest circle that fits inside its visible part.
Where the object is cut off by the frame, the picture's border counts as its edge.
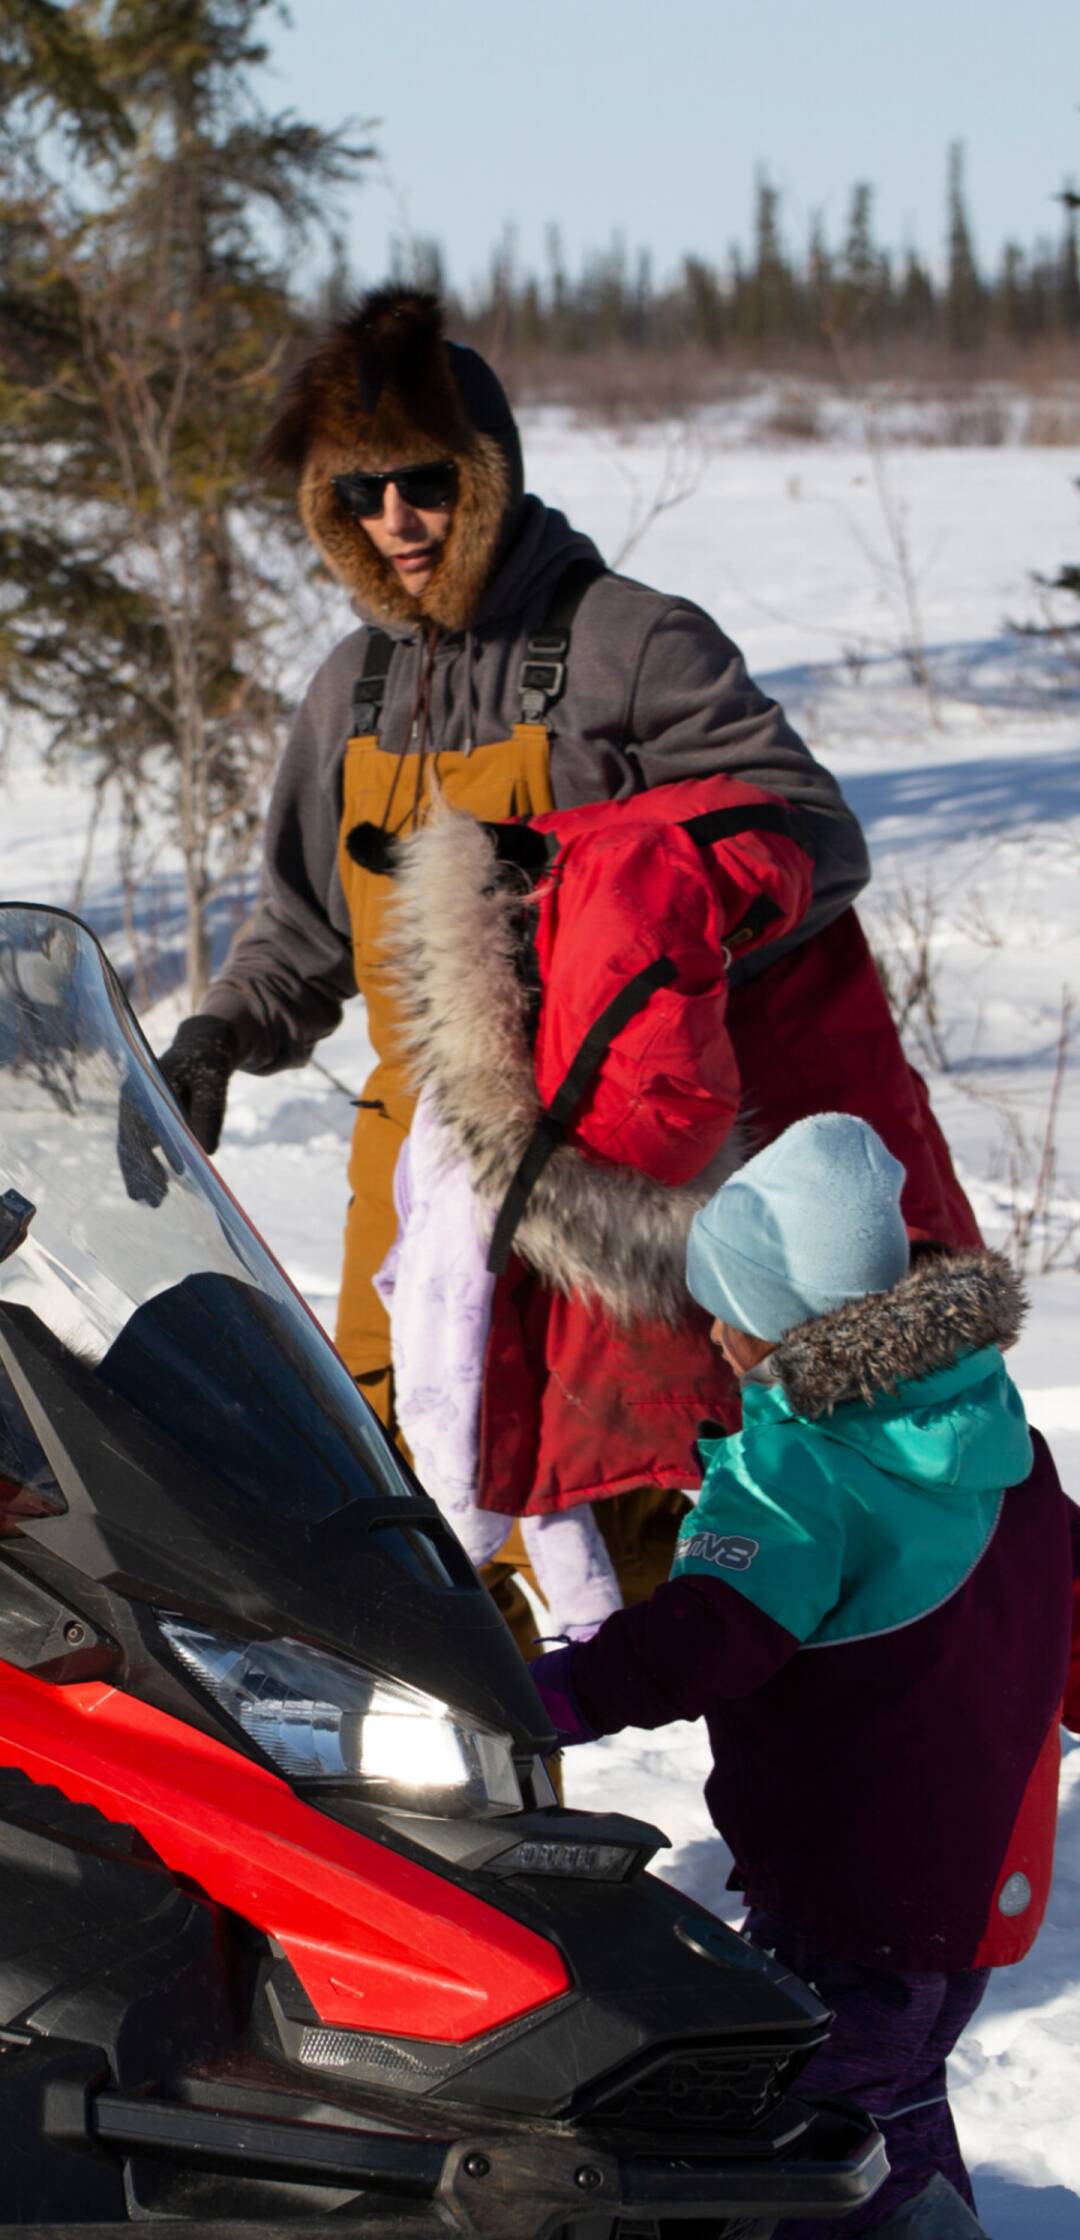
(947, 1306)
(384, 388)
(606, 1234)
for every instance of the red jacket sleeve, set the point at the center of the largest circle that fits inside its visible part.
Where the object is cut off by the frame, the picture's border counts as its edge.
(695, 876)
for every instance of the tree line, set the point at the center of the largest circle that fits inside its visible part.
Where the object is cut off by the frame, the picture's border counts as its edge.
(773, 298)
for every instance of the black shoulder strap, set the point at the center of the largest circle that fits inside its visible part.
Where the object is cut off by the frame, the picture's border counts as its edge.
(581, 1072)
(723, 824)
(369, 690)
(543, 671)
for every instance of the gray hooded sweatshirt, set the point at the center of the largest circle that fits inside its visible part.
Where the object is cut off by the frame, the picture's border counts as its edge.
(655, 692)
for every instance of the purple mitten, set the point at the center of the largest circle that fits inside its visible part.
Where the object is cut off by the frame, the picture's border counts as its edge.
(551, 1676)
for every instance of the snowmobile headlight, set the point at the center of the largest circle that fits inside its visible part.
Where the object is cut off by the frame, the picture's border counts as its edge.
(321, 1719)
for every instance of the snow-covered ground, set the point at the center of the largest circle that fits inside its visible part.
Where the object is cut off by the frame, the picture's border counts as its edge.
(837, 583)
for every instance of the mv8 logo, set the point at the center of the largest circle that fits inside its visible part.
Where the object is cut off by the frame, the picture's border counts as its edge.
(730, 1551)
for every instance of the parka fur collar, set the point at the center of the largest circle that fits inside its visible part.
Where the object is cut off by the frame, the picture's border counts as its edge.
(380, 391)
(605, 1234)
(949, 1305)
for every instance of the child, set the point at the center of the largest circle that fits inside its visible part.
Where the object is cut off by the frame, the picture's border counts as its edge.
(870, 1605)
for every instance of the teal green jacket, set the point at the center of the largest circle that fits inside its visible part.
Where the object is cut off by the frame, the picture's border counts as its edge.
(860, 1521)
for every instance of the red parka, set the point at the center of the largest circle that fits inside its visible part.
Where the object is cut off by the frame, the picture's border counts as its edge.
(567, 988)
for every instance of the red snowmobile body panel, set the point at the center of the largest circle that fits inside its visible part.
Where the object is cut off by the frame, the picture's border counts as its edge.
(378, 1942)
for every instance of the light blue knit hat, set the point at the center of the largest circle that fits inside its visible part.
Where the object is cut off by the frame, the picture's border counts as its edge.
(812, 1221)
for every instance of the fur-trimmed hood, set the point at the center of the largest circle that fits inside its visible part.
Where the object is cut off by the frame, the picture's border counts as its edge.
(385, 388)
(949, 1305)
(606, 1234)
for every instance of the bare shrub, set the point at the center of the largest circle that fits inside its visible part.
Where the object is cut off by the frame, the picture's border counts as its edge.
(795, 417)
(622, 386)
(908, 960)
(897, 567)
(983, 419)
(976, 921)
(682, 468)
(1044, 1220)
(1043, 1213)
(1054, 419)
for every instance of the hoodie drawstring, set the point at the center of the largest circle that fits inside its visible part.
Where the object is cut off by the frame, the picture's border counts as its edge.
(470, 658)
(418, 729)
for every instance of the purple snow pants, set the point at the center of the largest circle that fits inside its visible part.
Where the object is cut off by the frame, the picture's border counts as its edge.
(887, 2052)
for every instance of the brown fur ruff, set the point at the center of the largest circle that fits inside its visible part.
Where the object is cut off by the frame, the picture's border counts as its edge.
(949, 1304)
(605, 1234)
(378, 392)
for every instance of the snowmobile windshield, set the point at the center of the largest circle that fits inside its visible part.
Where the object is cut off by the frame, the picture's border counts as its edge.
(119, 1237)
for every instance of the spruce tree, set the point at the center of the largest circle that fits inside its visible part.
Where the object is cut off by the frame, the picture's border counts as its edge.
(705, 308)
(768, 295)
(916, 302)
(819, 293)
(1069, 283)
(964, 298)
(144, 314)
(49, 79)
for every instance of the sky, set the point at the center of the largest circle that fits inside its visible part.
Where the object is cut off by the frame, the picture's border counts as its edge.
(648, 118)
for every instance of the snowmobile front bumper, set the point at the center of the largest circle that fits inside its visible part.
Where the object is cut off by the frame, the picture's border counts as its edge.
(534, 2182)
(498, 2185)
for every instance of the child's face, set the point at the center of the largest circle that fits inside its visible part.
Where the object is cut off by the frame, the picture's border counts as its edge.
(741, 1352)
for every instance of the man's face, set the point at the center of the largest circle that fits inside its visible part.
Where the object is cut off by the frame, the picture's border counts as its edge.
(410, 537)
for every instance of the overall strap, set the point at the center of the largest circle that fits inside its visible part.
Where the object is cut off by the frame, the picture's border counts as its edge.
(555, 1119)
(543, 671)
(369, 690)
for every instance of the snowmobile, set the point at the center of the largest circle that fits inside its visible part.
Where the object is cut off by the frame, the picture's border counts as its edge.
(292, 1930)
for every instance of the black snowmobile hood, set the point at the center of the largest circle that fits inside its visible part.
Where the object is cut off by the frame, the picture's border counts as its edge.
(173, 1423)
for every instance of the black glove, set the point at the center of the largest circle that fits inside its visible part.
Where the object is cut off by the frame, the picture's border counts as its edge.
(140, 1143)
(196, 1067)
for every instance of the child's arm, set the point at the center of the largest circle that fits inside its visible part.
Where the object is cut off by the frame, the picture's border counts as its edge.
(758, 1565)
(671, 1657)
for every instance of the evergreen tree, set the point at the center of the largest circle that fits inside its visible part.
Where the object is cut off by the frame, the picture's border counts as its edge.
(964, 301)
(863, 289)
(558, 288)
(144, 322)
(768, 296)
(49, 78)
(704, 303)
(820, 290)
(915, 299)
(1012, 310)
(641, 300)
(860, 256)
(1069, 266)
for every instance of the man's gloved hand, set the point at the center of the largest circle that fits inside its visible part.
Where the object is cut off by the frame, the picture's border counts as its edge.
(196, 1067)
(551, 1676)
(144, 1154)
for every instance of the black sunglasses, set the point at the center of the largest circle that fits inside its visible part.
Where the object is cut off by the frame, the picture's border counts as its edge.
(427, 487)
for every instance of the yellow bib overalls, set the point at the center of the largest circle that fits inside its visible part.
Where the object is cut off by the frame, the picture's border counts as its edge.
(508, 778)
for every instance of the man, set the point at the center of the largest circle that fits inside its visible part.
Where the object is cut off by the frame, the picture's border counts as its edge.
(496, 653)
